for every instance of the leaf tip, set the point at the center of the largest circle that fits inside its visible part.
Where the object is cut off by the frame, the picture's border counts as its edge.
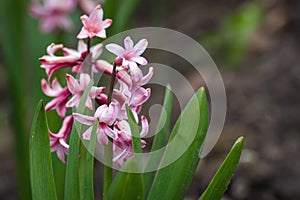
(240, 140)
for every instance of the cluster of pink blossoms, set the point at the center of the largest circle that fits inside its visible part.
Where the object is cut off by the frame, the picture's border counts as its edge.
(111, 114)
(54, 14)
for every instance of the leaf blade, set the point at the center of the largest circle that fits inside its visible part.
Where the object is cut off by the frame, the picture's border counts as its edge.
(88, 192)
(221, 180)
(122, 186)
(160, 139)
(72, 186)
(41, 171)
(172, 181)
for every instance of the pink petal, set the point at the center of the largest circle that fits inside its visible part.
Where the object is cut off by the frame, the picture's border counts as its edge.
(84, 19)
(128, 43)
(101, 34)
(84, 80)
(103, 66)
(73, 85)
(63, 143)
(89, 103)
(147, 77)
(124, 77)
(83, 34)
(52, 48)
(81, 46)
(100, 110)
(102, 138)
(87, 134)
(145, 126)
(61, 110)
(141, 96)
(52, 92)
(137, 73)
(140, 47)
(84, 119)
(96, 51)
(65, 128)
(74, 101)
(118, 157)
(96, 91)
(124, 127)
(87, 5)
(140, 60)
(115, 49)
(110, 133)
(106, 23)
(119, 97)
(96, 15)
(61, 155)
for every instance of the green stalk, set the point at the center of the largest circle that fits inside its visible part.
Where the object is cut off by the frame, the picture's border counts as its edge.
(12, 43)
(108, 150)
(108, 171)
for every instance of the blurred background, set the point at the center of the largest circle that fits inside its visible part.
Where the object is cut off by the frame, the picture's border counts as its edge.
(255, 45)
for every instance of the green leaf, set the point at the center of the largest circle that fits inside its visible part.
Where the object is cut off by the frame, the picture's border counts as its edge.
(127, 185)
(120, 11)
(222, 178)
(160, 138)
(12, 53)
(41, 172)
(88, 186)
(136, 140)
(72, 186)
(181, 157)
(125, 11)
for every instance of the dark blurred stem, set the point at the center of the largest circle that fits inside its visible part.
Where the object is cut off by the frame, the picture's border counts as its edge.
(88, 45)
(112, 83)
(108, 150)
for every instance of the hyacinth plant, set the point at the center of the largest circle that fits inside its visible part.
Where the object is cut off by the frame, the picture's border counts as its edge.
(109, 116)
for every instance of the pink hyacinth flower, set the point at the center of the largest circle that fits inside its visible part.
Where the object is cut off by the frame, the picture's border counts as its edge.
(53, 14)
(106, 116)
(58, 141)
(81, 53)
(94, 25)
(134, 99)
(88, 5)
(131, 55)
(71, 58)
(122, 149)
(77, 88)
(133, 78)
(61, 96)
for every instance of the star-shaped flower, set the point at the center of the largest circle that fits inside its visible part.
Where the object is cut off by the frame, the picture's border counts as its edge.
(94, 25)
(131, 55)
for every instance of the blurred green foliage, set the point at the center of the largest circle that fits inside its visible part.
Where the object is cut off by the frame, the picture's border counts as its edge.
(230, 42)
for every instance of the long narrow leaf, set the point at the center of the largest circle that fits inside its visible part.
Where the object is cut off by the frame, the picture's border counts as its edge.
(173, 181)
(41, 172)
(127, 185)
(12, 47)
(160, 139)
(136, 141)
(125, 11)
(222, 178)
(89, 166)
(72, 186)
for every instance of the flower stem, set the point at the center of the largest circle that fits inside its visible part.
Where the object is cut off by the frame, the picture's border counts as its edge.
(108, 149)
(112, 83)
(108, 171)
(88, 45)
